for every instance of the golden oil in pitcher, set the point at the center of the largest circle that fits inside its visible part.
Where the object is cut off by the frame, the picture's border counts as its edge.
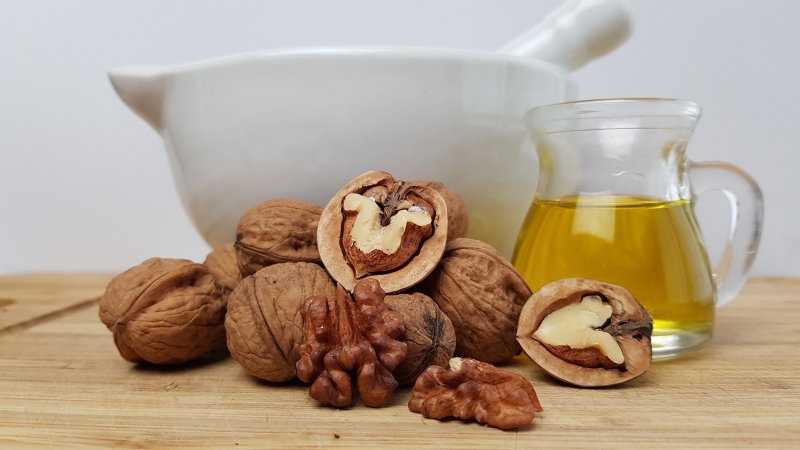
(651, 247)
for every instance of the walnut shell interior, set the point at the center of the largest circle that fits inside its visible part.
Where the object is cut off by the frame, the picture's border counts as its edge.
(419, 256)
(457, 215)
(630, 325)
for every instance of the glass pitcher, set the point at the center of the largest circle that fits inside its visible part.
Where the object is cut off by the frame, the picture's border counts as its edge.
(615, 202)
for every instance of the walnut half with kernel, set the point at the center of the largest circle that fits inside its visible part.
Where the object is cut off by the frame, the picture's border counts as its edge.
(382, 228)
(586, 332)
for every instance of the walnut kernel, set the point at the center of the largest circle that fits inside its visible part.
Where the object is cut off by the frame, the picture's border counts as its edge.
(475, 390)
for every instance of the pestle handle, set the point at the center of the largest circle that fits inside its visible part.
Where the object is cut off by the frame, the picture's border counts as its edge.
(575, 33)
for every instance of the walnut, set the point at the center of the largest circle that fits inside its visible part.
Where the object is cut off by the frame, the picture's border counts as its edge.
(164, 311)
(354, 334)
(222, 264)
(586, 332)
(473, 389)
(264, 325)
(429, 335)
(457, 215)
(275, 231)
(483, 295)
(382, 228)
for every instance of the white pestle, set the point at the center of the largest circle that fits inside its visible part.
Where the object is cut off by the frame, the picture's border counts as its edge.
(576, 33)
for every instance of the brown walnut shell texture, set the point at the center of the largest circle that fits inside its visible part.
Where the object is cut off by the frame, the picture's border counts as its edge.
(164, 311)
(264, 325)
(424, 258)
(276, 231)
(483, 295)
(429, 335)
(221, 262)
(457, 215)
(630, 324)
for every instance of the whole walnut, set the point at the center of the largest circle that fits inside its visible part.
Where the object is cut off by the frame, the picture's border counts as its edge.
(457, 215)
(276, 231)
(164, 311)
(264, 325)
(429, 335)
(222, 264)
(483, 295)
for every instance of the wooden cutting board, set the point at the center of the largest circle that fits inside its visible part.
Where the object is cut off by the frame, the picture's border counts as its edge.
(62, 383)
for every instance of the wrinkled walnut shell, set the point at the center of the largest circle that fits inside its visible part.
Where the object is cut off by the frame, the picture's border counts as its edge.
(264, 325)
(276, 231)
(164, 311)
(457, 215)
(483, 295)
(630, 325)
(417, 255)
(429, 335)
(222, 264)
(475, 390)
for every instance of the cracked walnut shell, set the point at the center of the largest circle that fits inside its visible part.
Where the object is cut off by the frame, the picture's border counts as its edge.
(586, 332)
(164, 311)
(276, 231)
(483, 295)
(382, 228)
(264, 325)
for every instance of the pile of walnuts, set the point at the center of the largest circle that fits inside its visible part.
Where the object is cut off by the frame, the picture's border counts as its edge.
(381, 285)
(456, 295)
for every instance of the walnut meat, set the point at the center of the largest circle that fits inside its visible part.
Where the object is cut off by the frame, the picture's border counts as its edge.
(483, 295)
(357, 334)
(223, 265)
(429, 335)
(275, 231)
(264, 325)
(164, 311)
(475, 390)
(457, 215)
(382, 228)
(586, 332)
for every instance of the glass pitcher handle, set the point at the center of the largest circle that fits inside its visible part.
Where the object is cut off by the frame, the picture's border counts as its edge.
(747, 216)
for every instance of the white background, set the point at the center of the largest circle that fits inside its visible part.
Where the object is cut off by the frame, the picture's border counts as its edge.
(85, 185)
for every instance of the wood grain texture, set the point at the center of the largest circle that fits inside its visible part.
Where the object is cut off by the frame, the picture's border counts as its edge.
(62, 383)
(27, 299)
